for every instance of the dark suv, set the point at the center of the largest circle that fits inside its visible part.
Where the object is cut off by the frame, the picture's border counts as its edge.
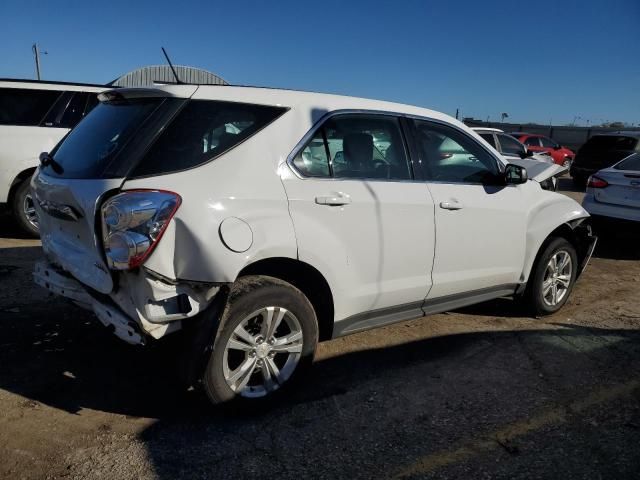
(602, 151)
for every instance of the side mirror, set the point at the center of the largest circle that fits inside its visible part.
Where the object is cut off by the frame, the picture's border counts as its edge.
(526, 153)
(515, 174)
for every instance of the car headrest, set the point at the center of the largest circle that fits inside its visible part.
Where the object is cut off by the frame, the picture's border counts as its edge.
(358, 147)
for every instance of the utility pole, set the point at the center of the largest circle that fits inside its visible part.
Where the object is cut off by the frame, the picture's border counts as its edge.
(36, 53)
(457, 111)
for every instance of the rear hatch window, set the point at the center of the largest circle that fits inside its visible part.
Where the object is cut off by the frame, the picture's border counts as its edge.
(92, 148)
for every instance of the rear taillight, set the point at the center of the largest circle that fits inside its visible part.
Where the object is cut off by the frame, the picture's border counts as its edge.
(133, 223)
(596, 182)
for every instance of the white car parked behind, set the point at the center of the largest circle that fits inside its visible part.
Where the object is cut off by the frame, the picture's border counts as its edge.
(34, 117)
(223, 209)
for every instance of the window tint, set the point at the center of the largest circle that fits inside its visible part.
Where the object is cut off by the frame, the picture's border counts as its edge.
(92, 101)
(510, 145)
(312, 160)
(24, 106)
(74, 111)
(356, 146)
(450, 155)
(203, 130)
(87, 150)
(548, 143)
(532, 142)
(489, 138)
(630, 163)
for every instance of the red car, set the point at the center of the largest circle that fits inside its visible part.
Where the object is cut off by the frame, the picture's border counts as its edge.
(539, 143)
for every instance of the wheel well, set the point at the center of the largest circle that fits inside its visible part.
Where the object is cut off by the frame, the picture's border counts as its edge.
(570, 234)
(21, 177)
(307, 279)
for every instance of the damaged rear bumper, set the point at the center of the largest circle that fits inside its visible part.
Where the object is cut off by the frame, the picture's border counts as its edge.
(142, 305)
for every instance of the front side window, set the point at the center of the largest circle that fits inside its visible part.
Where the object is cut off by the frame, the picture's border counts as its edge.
(532, 142)
(202, 131)
(27, 107)
(449, 155)
(356, 146)
(510, 145)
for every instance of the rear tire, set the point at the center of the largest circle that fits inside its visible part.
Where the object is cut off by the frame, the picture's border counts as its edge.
(24, 209)
(552, 277)
(266, 340)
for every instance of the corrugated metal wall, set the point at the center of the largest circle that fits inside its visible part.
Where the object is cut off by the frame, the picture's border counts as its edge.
(163, 74)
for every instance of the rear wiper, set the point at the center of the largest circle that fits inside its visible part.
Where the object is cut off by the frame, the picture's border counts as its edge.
(46, 160)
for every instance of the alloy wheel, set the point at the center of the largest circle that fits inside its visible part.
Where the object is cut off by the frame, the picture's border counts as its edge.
(557, 278)
(262, 352)
(29, 210)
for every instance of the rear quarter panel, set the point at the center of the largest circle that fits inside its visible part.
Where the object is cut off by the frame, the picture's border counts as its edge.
(242, 183)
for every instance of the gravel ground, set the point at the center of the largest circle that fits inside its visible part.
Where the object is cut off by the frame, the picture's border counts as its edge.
(483, 392)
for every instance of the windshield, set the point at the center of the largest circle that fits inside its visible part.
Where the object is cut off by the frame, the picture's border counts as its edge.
(630, 163)
(88, 150)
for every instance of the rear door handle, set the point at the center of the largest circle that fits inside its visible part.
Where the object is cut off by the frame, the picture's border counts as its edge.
(451, 205)
(333, 200)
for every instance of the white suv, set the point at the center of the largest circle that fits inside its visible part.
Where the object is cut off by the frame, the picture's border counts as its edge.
(267, 220)
(34, 117)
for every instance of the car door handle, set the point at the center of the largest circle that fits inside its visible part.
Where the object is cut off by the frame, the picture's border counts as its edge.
(451, 205)
(333, 200)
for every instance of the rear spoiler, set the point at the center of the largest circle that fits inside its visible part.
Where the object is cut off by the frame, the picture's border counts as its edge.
(176, 91)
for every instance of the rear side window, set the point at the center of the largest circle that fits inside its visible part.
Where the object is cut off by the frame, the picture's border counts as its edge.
(488, 137)
(88, 150)
(356, 146)
(202, 131)
(24, 106)
(532, 141)
(630, 163)
(510, 145)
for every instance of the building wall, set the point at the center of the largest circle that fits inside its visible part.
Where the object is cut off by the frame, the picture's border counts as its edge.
(163, 74)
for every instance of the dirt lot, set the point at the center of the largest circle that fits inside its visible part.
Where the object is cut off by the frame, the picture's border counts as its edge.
(478, 393)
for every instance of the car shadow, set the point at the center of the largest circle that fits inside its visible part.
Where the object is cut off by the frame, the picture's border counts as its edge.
(356, 402)
(10, 229)
(565, 184)
(617, 240)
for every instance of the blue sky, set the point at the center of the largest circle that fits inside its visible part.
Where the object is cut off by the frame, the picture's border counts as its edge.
(538, 61)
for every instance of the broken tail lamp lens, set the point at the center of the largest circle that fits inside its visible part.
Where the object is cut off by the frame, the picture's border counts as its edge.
(133, 223)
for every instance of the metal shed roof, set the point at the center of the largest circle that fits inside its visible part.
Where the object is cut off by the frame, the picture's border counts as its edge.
(163, 74)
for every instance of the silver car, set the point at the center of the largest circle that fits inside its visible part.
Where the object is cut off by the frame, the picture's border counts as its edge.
(614, 192)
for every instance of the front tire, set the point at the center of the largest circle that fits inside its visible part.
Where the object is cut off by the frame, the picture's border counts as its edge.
(267, 338)
(24, 209)
(552, 278)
